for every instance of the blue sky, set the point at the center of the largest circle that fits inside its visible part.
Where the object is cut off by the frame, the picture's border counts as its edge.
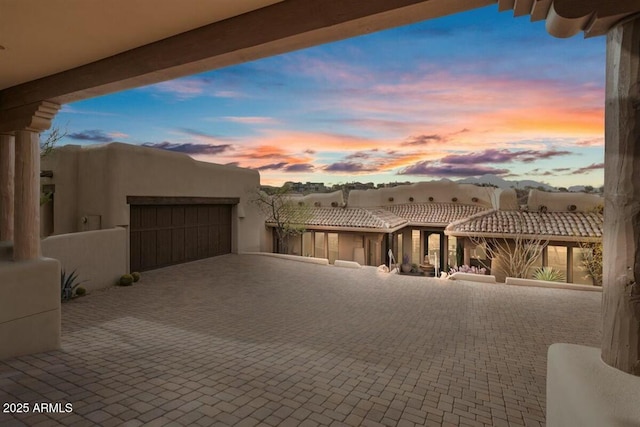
(474, 93)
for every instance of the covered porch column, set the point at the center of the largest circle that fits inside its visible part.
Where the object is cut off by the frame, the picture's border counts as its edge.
(621, 237)
(29, 284)
(582, 387)
(7, 175)
(27, 195)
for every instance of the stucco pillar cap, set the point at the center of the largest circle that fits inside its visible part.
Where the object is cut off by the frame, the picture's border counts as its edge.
(35, 117)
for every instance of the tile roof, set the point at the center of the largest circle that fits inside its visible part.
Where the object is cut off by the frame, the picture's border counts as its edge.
(352, 218)
(567, 226)
(435, 213)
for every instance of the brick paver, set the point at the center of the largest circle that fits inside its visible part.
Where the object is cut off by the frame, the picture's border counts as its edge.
(259, 340)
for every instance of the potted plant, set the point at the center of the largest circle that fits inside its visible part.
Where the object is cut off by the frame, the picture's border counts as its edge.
(405, 267)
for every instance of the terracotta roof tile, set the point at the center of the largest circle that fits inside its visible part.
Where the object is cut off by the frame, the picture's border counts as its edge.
(352, 218)
(435, 213)
(563, 225)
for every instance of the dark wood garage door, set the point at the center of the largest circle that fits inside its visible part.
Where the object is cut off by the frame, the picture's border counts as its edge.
(163, 235)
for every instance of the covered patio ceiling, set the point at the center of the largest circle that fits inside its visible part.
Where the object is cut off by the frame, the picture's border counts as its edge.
(68, 50)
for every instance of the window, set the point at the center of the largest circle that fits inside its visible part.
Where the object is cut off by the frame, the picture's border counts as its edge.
(433, 245)
(319, 246)
(307, 244)
(479, 252)
(453, 252)
(415, 247)
(580, 273)
(400, 248)
(557, 256)
(536, 264)
(332, 243)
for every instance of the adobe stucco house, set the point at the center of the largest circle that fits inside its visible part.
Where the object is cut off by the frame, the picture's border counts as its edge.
(563, 222)
(431, 220)
(154, 208)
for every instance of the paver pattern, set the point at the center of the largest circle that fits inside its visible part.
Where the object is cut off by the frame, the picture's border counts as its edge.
(255, 340)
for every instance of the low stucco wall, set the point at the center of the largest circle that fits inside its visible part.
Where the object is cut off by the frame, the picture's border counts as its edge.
(546, 284)
(307, 259)
(584, 391)
(98, 257)
(470, 277)
(29, 307)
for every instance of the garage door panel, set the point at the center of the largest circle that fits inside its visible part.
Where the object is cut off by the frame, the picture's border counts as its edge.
(190, 215)
(214, 214)
(203, 241)
(191, 243)
(178, 254)
(177, 216)
(148, 217)
(134, 219)
(134, 250)
(213, 240)
(170, 234)
(164, 216)
(148, 246)
(225, 241)
(203, 215)
(163, 247)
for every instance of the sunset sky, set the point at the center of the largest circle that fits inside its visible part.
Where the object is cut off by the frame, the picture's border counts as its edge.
(471, 94)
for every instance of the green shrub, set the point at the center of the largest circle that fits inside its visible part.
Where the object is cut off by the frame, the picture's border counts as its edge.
(549, 274)
(126, 280)
(136, 276)
(80, 291)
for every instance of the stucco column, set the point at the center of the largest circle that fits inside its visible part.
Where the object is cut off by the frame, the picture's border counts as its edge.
(26, 122)
(467, 251)
(27, 196)
(621, 236)
(7, 174)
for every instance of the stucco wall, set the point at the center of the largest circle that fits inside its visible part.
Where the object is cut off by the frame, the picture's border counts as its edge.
(560, 202)
(94, 182)
(98, 257)
(29, 307)
(335, 198)
(440, 191)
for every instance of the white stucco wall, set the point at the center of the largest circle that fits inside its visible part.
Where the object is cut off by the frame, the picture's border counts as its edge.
(94, 182)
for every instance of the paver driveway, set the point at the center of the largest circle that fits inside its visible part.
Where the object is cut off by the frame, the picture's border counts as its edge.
(248, 340)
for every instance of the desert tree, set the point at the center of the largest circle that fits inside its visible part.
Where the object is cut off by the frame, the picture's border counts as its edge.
(592, 261)
(592, 255)
(288, 215)
(48, 142)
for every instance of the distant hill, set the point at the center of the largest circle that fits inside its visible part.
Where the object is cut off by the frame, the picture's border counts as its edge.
(503, 183)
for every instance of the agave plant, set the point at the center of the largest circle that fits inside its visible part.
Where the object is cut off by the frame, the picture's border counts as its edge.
(549, 274)
(68, 284)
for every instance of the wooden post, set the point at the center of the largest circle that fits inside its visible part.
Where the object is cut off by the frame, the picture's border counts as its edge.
(7, 174)
(621, 275)
(27, 196)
